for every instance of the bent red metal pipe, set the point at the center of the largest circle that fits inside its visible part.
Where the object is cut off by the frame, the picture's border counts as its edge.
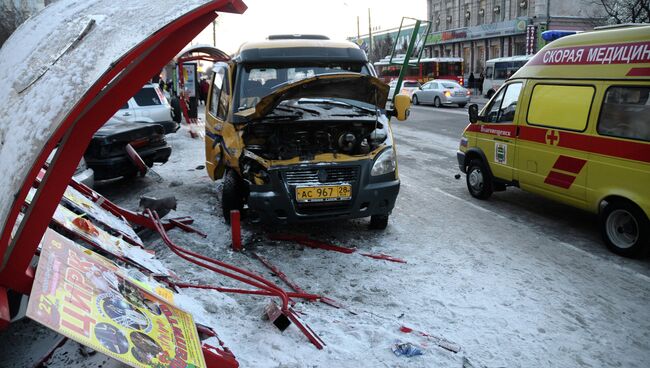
(259, 282)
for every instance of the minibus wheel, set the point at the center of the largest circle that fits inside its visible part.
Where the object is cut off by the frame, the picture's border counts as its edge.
(232, 197)
(625, 228)
(479, 180)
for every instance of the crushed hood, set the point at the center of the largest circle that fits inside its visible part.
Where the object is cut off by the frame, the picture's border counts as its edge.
(353, 86)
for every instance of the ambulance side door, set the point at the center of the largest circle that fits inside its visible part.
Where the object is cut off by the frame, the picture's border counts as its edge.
(497, 131)
(552, 141)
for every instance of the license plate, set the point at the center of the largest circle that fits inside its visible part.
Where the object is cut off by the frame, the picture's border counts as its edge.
(324, 193)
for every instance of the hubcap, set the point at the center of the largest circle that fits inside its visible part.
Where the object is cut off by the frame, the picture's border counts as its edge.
(622, 229)
(476, 180)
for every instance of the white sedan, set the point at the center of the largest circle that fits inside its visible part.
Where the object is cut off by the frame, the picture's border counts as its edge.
(440, 92)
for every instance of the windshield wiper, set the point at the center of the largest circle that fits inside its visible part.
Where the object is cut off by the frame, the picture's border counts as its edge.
(338, 103)
(293, 108)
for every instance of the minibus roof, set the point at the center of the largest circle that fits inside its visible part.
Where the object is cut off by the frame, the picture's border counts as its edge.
(613, 54)
(282, 50)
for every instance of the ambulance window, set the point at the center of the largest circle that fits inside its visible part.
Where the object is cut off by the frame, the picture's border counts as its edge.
(504, 105)
(561, 106)
(626, 113)
(488, 72)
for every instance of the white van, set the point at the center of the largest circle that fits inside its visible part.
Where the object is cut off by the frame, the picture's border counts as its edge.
(499, 69)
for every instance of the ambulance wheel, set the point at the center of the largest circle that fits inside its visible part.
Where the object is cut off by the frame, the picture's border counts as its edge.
(625, 229)
(490, 93)
(479, 181)
(436, 102)
(415, 100)
(378, 222)
(232, 195)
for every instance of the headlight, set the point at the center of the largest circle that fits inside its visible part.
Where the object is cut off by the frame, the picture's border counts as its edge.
(385, 163)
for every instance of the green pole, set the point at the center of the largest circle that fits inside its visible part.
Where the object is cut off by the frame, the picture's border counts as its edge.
(407, 59)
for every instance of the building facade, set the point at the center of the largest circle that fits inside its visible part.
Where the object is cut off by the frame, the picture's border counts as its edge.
(478, 30)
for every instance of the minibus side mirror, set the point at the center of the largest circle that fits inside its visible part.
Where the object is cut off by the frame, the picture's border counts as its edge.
(401, 108)
(473, 113)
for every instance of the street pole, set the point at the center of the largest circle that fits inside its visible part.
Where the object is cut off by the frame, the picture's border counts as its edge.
(369, 36)
(214, 33)
(548, 14)
(358, 30)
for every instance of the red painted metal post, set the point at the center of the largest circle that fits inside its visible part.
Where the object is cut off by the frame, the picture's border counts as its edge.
(235, 229)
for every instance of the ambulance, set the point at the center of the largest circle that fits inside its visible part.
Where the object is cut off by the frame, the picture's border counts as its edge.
(573, 125)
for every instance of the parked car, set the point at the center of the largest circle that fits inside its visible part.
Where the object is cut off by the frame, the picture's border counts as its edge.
(149, 105)
(408, 88)
(440, 92)
(107, 156)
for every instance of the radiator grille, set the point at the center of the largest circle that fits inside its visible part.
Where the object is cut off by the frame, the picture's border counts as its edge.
(315, 175)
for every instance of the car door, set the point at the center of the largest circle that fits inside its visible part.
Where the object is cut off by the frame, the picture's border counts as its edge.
(127, 111)
(432, 92)
(496, 135)
(220, 136)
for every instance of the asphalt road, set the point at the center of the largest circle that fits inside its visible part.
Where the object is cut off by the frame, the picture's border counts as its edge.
(427, 144)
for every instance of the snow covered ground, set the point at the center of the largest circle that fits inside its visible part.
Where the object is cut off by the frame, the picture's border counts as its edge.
(501, 288)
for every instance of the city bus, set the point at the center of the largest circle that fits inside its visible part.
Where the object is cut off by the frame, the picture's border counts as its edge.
(426, 70)
(499, 69)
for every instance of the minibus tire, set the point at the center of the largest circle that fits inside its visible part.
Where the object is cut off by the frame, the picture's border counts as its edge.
(477, 172)
(613, 217)
(490, 93)
(232, 197)
(378, 222)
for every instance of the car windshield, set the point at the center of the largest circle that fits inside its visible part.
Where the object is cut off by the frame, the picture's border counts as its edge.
(257, 81)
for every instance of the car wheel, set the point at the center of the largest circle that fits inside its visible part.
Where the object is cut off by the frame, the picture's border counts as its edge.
(461, 105)
(625, 229)
(232, 195)
(479, 181)
(378, 222)
(436, 102)
(415, 100)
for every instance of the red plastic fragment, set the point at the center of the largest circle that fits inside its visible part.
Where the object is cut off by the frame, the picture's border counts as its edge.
(218, 358)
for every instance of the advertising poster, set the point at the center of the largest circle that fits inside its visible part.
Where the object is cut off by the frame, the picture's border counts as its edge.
(189, 79)
(91, 300)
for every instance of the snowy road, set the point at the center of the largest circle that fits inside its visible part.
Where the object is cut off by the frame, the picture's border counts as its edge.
(516, 281)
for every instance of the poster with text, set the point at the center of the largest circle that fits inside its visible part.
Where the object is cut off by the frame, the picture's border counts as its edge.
(90, 299)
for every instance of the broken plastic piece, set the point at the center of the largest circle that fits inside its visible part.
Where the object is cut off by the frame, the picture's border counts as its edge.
(275, 315)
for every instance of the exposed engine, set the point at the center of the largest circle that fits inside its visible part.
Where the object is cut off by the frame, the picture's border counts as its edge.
(283, 141)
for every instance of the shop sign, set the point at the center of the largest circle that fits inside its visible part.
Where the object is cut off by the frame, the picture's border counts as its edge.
(511, 27)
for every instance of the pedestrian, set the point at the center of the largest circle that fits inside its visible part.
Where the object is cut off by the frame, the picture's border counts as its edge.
(481, 78)
(205, 88)
(471, 83)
